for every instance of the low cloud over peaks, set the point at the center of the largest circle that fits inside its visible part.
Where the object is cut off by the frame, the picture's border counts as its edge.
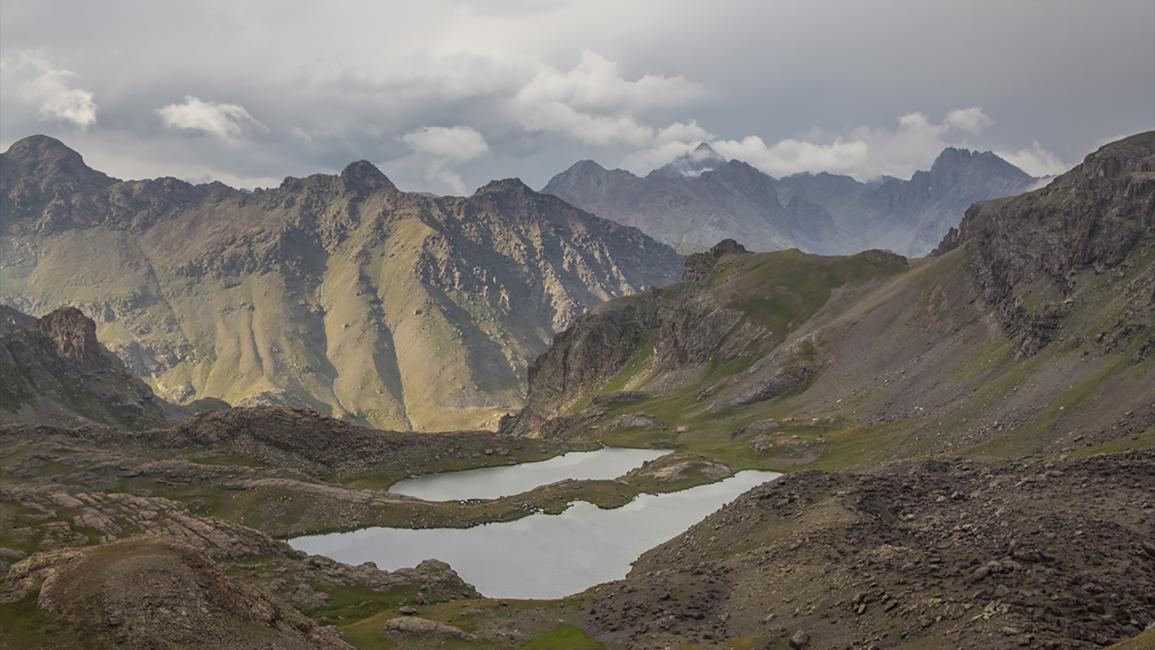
(52, 90)
(458, 143)
(870, 152)
(299, 87)
(972, 120)
(436, 151)
(228, 122)
(1035, 160)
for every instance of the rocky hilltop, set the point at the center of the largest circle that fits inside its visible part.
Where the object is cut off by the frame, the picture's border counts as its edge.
(340, 292)
(53, 370)
(702, 198)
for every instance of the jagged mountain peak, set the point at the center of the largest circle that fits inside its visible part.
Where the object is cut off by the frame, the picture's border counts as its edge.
(700, 160)
(954, 159)
(42, 146)
(586, 165)
(704, 150)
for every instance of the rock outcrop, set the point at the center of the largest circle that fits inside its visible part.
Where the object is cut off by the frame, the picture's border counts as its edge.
(154, 593)
(54, 370)
(699, 265)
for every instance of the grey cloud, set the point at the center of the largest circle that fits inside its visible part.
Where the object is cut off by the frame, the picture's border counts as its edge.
(547, 83)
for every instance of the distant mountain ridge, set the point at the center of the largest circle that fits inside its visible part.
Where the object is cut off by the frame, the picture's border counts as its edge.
(701, 198)
(338, 292)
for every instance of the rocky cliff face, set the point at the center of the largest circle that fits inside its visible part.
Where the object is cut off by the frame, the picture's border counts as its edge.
(1033, 253)
(702, 198)
(54, 370)
(337, 292)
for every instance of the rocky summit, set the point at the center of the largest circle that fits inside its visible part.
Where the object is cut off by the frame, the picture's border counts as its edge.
(337, 292)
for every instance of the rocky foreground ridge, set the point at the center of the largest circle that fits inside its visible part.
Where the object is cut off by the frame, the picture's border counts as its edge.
(943, 553)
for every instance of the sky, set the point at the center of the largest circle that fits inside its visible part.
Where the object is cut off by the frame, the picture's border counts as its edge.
(444, 95)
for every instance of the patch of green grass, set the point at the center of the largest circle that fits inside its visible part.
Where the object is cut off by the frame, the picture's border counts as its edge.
(24, 626)
(564, 636)
(780, 290)
(350, 605)
(636, 367)
(992, 355)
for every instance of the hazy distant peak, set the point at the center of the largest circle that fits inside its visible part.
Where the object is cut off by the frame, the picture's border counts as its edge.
(705, 150)
(695, 163)
(587, 165)
(954, 158)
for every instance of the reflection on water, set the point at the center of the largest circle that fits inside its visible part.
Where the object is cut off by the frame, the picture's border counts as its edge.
(494, 482)
(541, 556)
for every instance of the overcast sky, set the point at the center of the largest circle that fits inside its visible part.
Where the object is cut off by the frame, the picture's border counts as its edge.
(444, 95)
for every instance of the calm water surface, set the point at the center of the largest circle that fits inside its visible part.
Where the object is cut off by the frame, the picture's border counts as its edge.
(541, 556)
(495, 482)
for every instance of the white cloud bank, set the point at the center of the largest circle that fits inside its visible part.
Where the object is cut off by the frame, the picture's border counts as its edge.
(438, 149)
(455, 143)
(52, 90)
(594, 103)
(228, 122)
(864, 152)
(1034, 160)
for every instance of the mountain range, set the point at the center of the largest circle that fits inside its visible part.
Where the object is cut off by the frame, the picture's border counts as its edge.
(1033, 324)
(701, 198)
(339, 292)
(966, 440)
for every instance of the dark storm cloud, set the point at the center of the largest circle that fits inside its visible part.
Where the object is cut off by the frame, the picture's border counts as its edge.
(446, 95)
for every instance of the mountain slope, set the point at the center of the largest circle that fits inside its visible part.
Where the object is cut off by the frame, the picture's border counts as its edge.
(338, 292)
(1033, 334)
(701, 198)
(53, 370)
